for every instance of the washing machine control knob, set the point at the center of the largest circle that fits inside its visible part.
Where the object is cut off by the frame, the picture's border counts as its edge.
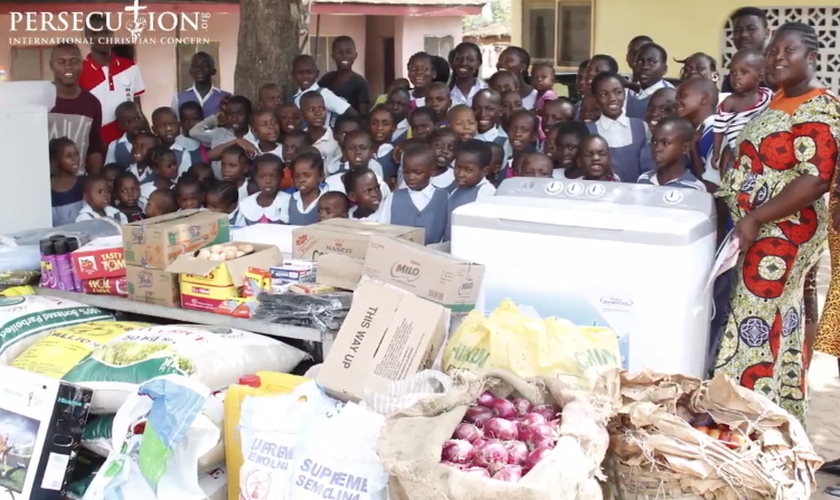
(673, 197)
(575, 189)
(596, 190)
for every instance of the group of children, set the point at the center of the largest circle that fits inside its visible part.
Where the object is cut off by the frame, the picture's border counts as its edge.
(440, 139)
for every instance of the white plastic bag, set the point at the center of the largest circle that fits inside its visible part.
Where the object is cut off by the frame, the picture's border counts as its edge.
(336, 459)
(159, 434)
(270, 429)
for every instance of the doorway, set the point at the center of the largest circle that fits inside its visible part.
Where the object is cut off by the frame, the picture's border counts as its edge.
(389, 73)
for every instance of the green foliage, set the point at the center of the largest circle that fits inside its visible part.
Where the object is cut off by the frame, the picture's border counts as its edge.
(500, 14)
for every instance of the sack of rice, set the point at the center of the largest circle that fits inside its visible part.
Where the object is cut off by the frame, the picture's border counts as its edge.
(63, 348)
(25, 320)
(214, 356)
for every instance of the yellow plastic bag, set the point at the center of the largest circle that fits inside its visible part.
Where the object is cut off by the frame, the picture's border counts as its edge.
(530, 347)
(18, 290)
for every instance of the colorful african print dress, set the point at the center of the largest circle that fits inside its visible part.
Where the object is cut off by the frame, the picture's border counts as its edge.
(763, 340)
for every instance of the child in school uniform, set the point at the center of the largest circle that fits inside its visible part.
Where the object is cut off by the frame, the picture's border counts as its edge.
(503, 80)
(333, 205)
(381, 124)
(422, 121)
(748, 99)
(419, 203)
(305, 75)
(671, 144)
(662, 104)
(308, 174)
(265, 132)
(110, 171)
(161, 202)
(270, 96)
(444, 143)
(164, 173)
(559, 110)
(487, 106)
(358, 147)
(517, 60)
(288, 116)
(651, 65)
(398, 102)
(268, 205)
(364, 192)
(235, 169)
(222, 129)
(203, 92)
(438, 98)
(130, 123)
(549, 146)
(522, 134)
(66, 185)
(566, 144)
(421, 74)
(697, 99)
(511, 102)
(472, 163)
(497, 159)
(462, 121)
(595, 160)
(189, 193)
(191, 114)
(166, 127)
(141, 167)
(223, 197)
(293, 142)
(626, 136)
(203, 172)
(343, 126)
(97, 201)
(314, 113)
(127, 196)
(537, 165)
(466, 61)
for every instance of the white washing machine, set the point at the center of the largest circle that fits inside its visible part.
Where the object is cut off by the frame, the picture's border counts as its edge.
(631, 257)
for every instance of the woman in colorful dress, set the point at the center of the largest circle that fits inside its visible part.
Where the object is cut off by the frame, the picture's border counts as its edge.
(785, 164)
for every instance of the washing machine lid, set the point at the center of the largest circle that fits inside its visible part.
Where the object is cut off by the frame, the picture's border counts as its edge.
(612, 215)
(615, 193)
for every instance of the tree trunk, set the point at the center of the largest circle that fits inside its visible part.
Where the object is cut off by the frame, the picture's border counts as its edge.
(269, 38)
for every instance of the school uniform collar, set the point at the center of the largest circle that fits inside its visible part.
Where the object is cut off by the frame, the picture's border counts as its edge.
(427, 192)
(459, 96)
(645, 93)
(402, 128)
(124, 140)
(686, 178)
(707, 123)
(384, 149)
(608, 123)
(491, 134)
(313, 88)
(197, 94)
(110, 211)
(327, 137)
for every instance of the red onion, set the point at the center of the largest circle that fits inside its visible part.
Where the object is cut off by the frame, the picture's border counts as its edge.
(509, 473)
(453, 465)
(539, 434)
(517, 452)
(467, 431)
(491, 455)
(486, 399)
(555, 422)
(548, 411)
(477, 415)
(531, 419)
(500, 428)
(481, 471)
(457, 451)
(536, 457)
(503, 408)
(478, 442)
(522, 406)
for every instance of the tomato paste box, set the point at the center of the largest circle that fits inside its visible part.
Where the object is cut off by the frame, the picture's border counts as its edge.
(106, 286)
(155, 243)
(101, 258)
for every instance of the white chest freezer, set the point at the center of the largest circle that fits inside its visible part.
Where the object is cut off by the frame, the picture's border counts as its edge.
(631, 257)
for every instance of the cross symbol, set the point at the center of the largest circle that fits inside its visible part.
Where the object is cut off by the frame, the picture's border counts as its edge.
(135, 8)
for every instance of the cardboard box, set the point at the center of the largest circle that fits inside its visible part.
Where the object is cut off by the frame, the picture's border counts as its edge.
(106, 286)
(339, 271)
(46, 418)
(387, 335)
(294, 271)
(157, 242)
(437, 276)
(207, 284)
(152, 286)
(101, 258)
(346, 236)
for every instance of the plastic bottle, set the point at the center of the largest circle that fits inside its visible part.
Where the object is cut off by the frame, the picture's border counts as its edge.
(73, 245)
(64, 266)
(49, 267)
(261, 384)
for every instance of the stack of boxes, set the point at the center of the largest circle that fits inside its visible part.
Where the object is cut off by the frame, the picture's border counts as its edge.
(100, 265)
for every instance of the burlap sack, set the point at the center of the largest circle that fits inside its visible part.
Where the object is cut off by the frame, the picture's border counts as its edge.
(411, 441)
(651, 442)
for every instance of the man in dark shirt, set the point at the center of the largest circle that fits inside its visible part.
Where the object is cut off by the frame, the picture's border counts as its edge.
(344, 82)
(77, 114)
(749, 30)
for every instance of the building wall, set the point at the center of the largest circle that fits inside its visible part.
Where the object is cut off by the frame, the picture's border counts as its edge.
(411, 32)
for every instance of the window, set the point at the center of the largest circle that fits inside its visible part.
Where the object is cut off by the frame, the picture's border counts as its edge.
(183, 57)
(438, 45)
(31, 63)
(320, 48)
(558, 31)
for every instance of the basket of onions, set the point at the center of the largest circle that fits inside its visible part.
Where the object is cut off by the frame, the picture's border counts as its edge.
(494, 433)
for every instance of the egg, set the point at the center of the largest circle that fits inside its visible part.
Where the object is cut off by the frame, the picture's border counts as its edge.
(204, 254)
(230, 255)
(239, 254)
(246, 248)
(216, 249)
(215, 257)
